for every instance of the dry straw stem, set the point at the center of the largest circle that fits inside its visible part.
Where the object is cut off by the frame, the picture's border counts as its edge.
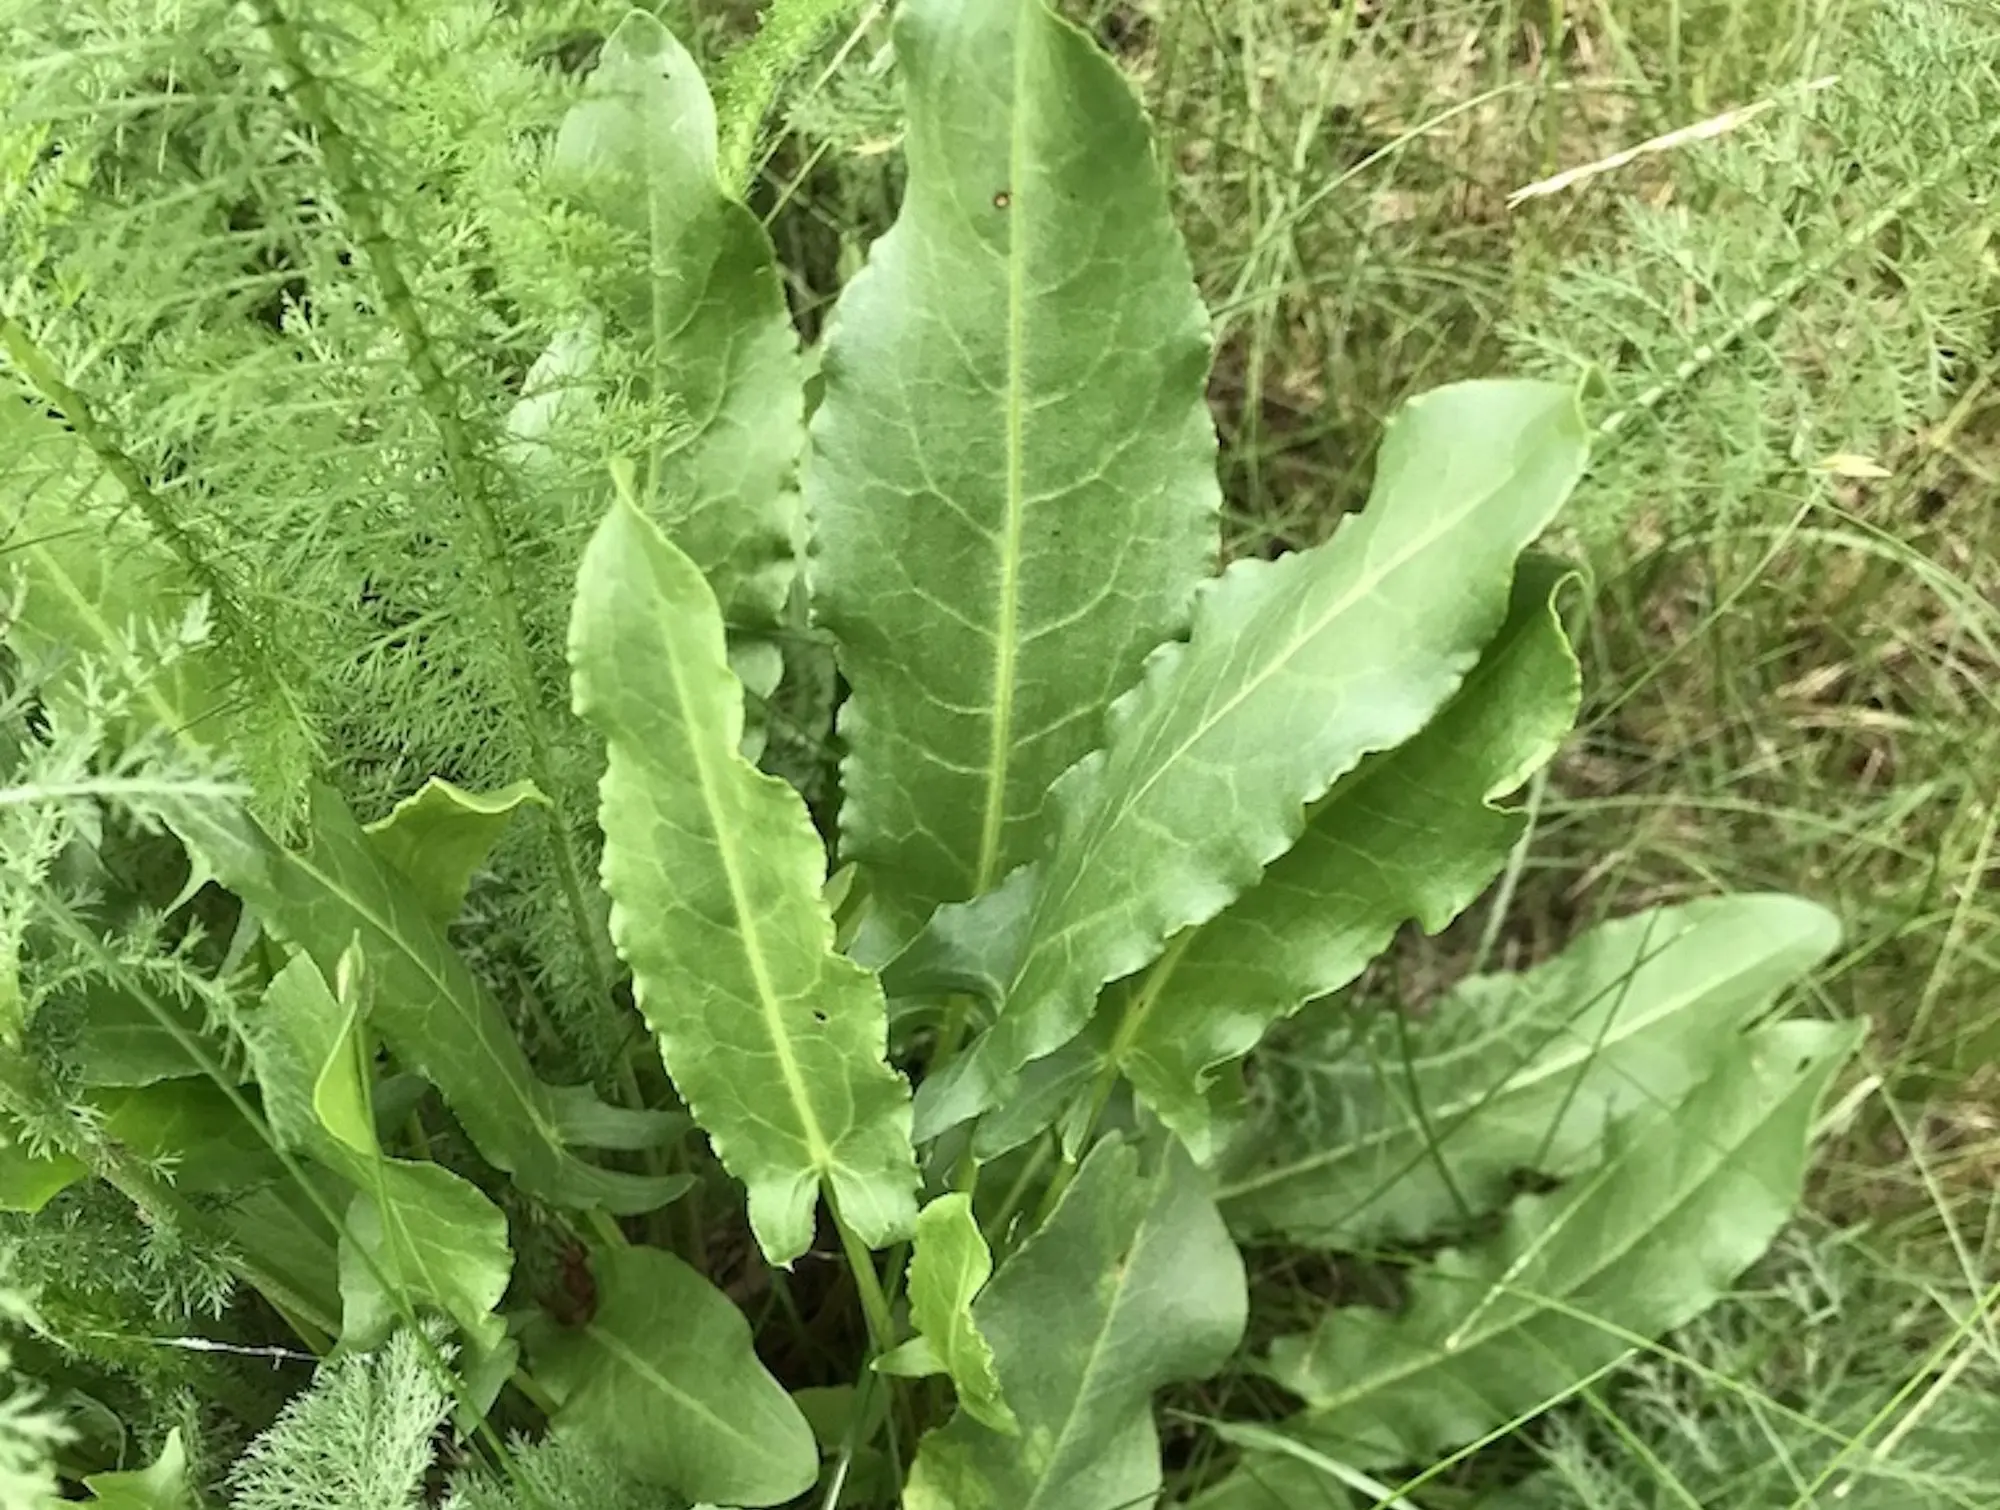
(1700, 131)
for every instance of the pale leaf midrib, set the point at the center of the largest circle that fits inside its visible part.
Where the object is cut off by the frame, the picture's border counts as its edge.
(647, 1374)
(993, 814)
(1086, 1385)
(719, 816)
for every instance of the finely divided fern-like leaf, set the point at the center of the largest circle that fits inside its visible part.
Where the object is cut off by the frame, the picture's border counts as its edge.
(359, 1439)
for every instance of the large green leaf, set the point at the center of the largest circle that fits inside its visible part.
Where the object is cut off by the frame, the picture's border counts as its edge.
(29, 1180)
(664, 1378)
(1412, 832)
(412, 1230)
(428, 1006)
(774, 1039)
(1012, 480)
(690, 316)
(161, 1485)
(1406, 1126)
(192, 1125)
(1688, 1197)
(1295, 670)
(442, 834)
(1132, 1285)
(949, 1267)
(123, 1042)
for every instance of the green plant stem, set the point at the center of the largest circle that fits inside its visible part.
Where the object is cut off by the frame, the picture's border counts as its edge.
(1017, 1192)
(468, 481)
(1552, 112)
(875, 1307)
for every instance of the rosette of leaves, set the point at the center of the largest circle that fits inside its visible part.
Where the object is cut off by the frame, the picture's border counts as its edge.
(1108, 815)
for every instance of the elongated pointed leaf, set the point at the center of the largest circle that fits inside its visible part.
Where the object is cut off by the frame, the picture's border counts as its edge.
(1688, 1198)
(122, 1043)
(1013, 472)
(415, 1231)
(663, 1377)
(1294, 671)
(1132, 1285)
(950, 1266)
(1412, 832)
(1427, 1122)
(442, 834)
(690, 315)
(429, 1008)
(774, 1039)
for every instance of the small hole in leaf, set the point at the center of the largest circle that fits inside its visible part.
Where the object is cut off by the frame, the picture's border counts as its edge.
(1002, 200)
(819, 1017)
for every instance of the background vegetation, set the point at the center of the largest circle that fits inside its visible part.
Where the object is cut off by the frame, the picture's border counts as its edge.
(1791, 634)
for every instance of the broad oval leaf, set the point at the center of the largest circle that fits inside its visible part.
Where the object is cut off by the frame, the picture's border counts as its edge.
(1132, 1285)
(1688, 1198)
(418, 1235)
(429, 1007)
(949, 1267)
(689, 314)
(664, 1378)
(1294, 671)
(1426, 1122)
(1012, 480)
(1413, 832)
(775, 1040)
